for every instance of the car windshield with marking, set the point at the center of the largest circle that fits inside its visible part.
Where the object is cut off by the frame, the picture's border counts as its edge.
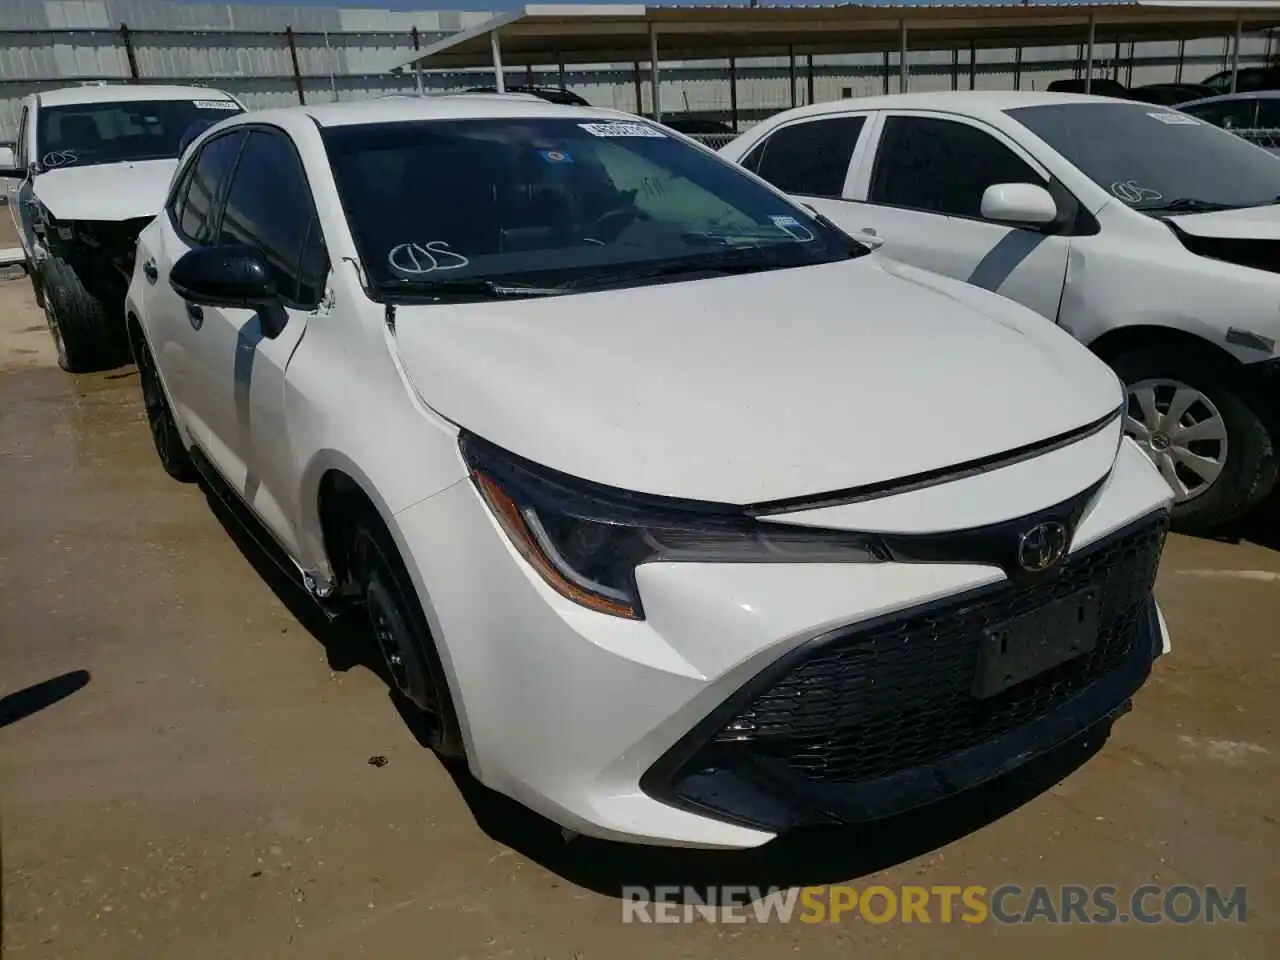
(483, 208)
(90, 133)
(1154, 159)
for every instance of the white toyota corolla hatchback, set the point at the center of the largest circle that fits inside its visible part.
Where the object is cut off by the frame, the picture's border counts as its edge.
(1148, 234)
(680, 516)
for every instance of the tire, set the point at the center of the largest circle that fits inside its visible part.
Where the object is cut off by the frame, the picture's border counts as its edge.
(1233, 433)
(83, 330)
(399, 631)
(37, 290)
(164, 427)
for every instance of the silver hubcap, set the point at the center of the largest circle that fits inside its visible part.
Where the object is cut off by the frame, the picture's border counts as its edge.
(1182, 432)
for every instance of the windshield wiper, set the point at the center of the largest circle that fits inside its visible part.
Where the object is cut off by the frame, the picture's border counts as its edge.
(737, 261)
(469, 287)
(1186, 205)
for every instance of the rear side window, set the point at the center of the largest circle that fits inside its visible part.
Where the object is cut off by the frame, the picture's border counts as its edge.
(269, 206)
(810, 158)
(941, 166)
(195, 202)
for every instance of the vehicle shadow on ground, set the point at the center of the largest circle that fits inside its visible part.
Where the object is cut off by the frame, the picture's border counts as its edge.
(812, 856)
(805, 857)
(1261, 527)
(33, 699)
(345, 640)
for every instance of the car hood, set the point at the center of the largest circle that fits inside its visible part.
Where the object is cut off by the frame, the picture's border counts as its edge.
(105, 191)
(1247, 223)
(759, 387)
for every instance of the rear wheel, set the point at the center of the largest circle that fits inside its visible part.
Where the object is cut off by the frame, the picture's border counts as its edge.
(399, 628)
(164, 427)
(1208, 435)
(82, 328)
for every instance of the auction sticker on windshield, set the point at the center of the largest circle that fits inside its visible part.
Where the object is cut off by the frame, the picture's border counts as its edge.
(215, 105)
(621, 128)
(1175, 119)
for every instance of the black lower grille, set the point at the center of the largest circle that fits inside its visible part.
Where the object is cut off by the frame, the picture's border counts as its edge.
(897, 694)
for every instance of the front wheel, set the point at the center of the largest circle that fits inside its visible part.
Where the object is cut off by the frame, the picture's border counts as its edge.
(1209, 437)
(400, 630)
(82, 328)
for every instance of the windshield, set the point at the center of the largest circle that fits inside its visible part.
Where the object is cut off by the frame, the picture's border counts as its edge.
(89, 133)
(1157, 159)
(557, 202)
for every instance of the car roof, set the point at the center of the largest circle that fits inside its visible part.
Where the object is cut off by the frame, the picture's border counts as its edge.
(476, 106)
(975, 103)
(117, 92)
(1227, 97)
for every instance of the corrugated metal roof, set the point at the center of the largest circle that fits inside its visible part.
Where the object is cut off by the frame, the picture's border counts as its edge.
(547, 33)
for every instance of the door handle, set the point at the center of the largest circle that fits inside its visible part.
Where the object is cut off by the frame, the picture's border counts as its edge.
(195, 313)
(150, 272)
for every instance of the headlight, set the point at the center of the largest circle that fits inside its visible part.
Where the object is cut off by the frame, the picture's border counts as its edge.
(587, 540)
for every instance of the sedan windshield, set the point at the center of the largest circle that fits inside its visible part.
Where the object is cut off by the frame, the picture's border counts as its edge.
(1157, 160)
(90, 133)
(537, 206)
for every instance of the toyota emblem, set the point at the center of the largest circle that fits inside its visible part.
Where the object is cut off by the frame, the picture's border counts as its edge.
(1042, 546)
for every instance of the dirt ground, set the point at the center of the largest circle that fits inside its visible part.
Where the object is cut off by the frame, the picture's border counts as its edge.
(185, 757)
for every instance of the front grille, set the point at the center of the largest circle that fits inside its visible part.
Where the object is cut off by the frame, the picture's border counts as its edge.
(898, 695)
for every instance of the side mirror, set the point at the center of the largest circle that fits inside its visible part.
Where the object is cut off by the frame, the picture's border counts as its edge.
(9, 163)
(233, 276)
(1020, 204)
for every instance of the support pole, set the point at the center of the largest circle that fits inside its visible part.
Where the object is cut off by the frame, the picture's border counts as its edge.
(528, 75)
(417, 64)
(1182, 52)
(495, 51)
(1115, 63)
(955, 68)
(973, 64)
(1088, 53)
(884, 74)
(810, 79)
(733, 92)
(639, 89)
(791, 53)
(128, 51)
(1017, 68)
(560, 70)
(1235, 53)
(293, 56)
(902, 56)
(654, 73)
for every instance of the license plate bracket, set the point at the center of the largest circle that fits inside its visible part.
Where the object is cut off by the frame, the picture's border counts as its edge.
(1027, 645)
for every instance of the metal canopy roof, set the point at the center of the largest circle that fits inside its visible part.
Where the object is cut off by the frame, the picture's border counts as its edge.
(618, 33)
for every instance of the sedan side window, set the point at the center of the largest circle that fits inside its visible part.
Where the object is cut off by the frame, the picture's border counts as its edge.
(1228, 114)
(942, 166)
(1268, 113)
(269, 207)
(810, 158)
(194, 205)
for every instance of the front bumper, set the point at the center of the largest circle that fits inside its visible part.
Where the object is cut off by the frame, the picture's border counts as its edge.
(873, 719)
(605, 725)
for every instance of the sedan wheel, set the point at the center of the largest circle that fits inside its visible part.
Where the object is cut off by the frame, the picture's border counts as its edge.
(1183, 433)
(1205, 427)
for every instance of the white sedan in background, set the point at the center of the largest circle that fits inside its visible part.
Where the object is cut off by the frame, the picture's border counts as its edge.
(607, 439)
(1147, 234)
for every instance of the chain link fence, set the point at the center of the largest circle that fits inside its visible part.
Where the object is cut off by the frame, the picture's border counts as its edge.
(1268, 137)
